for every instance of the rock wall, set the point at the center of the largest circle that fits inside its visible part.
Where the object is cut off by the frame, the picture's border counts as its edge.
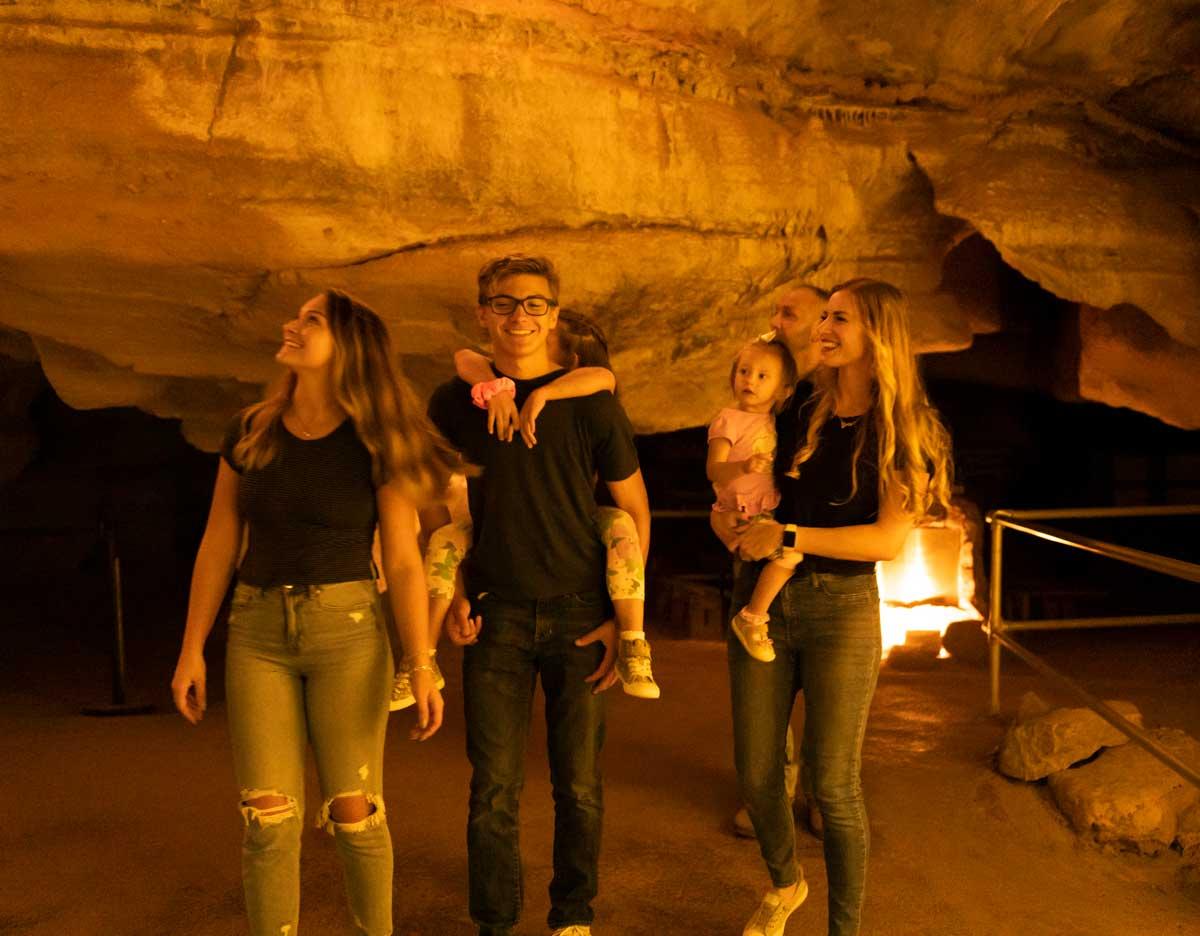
(176, 177)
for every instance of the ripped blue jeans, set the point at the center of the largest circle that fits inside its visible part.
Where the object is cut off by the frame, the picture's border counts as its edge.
(309, 664)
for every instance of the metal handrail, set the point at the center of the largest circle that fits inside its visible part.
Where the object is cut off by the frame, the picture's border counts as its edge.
(1096, 513)
(1189, 571)
(997, 626)
(1105, 711)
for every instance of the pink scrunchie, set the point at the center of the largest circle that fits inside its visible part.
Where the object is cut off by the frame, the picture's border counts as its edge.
(485, 390)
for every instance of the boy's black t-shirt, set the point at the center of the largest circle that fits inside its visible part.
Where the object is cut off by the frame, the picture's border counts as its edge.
(533, 509)
(310, 513)
(820, 497)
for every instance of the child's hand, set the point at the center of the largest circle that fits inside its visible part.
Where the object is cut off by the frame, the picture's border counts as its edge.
(534, 403)
(503, 418)
(759, 464)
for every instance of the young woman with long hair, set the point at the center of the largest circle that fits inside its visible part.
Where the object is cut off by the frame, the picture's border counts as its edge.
(337, 450)
(862, 457)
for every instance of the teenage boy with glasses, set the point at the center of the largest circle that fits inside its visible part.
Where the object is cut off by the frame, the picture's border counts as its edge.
(535, 602)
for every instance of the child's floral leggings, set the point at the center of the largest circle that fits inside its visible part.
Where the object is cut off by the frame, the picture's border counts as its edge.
(625, 572)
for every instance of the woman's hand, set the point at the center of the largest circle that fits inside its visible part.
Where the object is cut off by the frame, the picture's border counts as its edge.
(534, 403)
(760, 539)
(429, 704)
(188, 686)
(503, 418)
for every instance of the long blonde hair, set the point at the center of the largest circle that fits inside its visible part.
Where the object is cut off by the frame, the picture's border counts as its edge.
(403, 445)
(912, 442)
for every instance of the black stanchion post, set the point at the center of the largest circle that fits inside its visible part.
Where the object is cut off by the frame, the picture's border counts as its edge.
(119, 704)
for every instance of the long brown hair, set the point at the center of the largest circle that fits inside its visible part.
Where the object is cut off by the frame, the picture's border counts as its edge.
(583, 342)
(912, 442)
(404, 446)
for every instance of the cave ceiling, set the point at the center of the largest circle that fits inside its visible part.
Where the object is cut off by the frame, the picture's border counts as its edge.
(176, 177)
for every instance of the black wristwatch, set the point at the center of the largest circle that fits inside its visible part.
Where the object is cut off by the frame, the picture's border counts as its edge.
(789, 536)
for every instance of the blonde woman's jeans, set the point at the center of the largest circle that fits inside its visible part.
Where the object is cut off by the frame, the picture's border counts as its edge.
(825, 629)
(309, 664)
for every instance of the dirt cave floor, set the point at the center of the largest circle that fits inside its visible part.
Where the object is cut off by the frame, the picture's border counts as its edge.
(129, 827)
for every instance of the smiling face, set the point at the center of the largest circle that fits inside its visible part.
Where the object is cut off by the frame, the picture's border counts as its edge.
(519, 335)
(307, 339)
(757, 380)
(841, 334)
(796, 313)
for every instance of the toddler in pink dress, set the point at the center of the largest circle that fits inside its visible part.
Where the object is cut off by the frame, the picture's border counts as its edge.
(741, 458)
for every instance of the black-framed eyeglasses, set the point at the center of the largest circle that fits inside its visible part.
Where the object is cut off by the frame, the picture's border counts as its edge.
(507, 305)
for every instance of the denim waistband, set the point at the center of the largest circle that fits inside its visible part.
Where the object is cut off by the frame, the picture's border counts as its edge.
(298, 590)
(289, 594)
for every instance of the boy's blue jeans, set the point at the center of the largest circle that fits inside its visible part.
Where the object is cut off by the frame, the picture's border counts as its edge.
(520, 641)
(825, 628)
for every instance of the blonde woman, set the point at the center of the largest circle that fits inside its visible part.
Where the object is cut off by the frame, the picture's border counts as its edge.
(864, 456)
(309, 473)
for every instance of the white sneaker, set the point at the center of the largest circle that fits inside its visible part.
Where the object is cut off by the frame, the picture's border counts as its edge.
(772, 914)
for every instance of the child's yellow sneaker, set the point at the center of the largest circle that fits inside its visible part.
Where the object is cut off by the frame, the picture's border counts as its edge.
(633, 668)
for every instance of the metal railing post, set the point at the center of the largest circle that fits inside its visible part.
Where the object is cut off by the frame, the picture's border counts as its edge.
(995, 615)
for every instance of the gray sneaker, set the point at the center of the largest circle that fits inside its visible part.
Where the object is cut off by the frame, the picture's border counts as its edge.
(633, 669)
(402, 694)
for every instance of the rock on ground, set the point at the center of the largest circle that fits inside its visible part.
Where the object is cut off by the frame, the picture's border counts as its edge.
(1044, 744)
(966, 641)
(1129, 798)
(1188, 835)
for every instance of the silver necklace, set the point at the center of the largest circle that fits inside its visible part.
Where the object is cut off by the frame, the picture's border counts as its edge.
(847, 421)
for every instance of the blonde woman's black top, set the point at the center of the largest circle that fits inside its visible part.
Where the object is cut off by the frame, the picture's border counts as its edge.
(310, 512)
(821, 495)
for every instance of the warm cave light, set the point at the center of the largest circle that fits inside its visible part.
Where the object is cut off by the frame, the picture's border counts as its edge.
(920, 591)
